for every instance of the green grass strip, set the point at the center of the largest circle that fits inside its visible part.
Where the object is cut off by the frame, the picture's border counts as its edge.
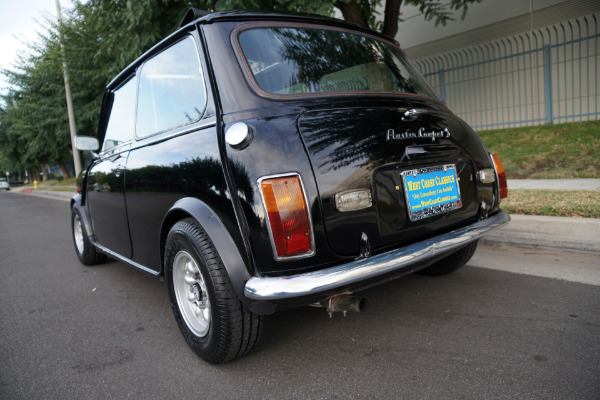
(549, 151)
(564, 203)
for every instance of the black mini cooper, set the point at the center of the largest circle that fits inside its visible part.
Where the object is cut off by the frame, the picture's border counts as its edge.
(263, 161)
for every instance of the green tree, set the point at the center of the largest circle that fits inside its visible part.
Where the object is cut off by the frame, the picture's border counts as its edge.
(12, 144)
(34, 125)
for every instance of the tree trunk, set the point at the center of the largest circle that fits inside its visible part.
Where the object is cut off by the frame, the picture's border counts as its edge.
(34, 175)
(63, 169)
(44, 174)
(390, 18)
(353, 12)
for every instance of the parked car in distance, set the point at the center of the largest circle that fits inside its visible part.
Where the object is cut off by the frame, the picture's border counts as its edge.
(4, 184)
(260, 162)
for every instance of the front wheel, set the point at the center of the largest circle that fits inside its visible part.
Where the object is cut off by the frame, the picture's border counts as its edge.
(452, 262)
(86, 252)
(211, 318)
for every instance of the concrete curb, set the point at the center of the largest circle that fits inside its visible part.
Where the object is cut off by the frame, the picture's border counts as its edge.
(47, 193)
(578, 234)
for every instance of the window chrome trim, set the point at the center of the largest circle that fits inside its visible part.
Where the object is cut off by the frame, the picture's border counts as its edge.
(401, 261)
(123, 147)
(197, 126)
(312, 250)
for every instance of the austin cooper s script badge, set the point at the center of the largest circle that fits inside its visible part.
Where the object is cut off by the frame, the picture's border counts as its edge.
(421, 133)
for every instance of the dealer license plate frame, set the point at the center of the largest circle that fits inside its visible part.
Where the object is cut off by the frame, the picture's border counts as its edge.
(438, 205)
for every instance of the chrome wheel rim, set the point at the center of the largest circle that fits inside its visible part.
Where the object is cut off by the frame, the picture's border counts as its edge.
(78, 234)
(191, 294)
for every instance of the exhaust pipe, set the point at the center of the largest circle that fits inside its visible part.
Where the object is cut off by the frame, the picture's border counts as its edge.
(345, 304)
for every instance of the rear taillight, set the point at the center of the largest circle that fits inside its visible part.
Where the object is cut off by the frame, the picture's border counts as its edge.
(288, 215)
(502, 185)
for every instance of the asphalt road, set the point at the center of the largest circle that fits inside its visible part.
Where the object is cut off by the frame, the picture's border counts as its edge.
(73, 332)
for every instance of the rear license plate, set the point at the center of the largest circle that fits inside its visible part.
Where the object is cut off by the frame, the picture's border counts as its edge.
(431, 191)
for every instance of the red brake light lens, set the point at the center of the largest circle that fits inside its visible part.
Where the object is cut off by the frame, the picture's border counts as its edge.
(501, 176)
(288, 215)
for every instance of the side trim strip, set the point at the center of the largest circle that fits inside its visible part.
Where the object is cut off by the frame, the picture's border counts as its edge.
(125, 259)
(312, 283)
(161, 137)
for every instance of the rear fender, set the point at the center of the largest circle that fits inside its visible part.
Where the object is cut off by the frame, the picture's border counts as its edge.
(218, 234)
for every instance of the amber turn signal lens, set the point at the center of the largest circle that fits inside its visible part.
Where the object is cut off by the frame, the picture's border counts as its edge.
(501, 177)
(288, 215)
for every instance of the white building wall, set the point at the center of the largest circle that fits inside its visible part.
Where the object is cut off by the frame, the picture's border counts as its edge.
(414, 31)
(513, 79)
(485, 21)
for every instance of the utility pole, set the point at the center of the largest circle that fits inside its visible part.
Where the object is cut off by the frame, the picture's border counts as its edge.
(72, 128)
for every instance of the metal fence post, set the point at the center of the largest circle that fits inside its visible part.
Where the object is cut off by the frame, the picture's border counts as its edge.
(442, 84)
(548, 83)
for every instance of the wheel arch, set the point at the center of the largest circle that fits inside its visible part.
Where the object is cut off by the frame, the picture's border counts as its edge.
(218, 234)
(84, 214)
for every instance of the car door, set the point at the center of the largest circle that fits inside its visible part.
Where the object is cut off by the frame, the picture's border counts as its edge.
(175, 152)
(106, 176)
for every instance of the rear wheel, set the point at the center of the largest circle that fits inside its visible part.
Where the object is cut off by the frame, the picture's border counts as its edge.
(211, 318)
(86, 252)
(452, 262)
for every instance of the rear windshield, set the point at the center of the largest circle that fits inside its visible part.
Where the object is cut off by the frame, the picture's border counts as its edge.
(307, 60)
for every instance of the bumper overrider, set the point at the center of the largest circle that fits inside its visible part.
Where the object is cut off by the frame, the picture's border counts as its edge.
(354, 272)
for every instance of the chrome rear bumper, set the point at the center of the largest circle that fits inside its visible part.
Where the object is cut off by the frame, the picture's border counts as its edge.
(313, 283)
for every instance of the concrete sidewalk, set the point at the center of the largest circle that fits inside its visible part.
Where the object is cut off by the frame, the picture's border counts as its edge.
(554, 184)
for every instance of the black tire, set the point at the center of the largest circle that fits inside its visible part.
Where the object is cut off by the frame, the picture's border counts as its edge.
(452, 262)
(86, 252)
(211, 318)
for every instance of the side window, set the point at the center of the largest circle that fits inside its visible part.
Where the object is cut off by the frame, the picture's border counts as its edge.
(171, 91)
(122, 115)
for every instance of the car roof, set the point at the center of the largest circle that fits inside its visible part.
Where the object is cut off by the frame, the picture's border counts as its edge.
(195, 16)
(201, 16)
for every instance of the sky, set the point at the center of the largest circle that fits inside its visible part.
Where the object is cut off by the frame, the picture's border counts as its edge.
(18, 24)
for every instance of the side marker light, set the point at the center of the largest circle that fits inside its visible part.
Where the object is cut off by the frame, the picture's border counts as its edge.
(502, 185)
